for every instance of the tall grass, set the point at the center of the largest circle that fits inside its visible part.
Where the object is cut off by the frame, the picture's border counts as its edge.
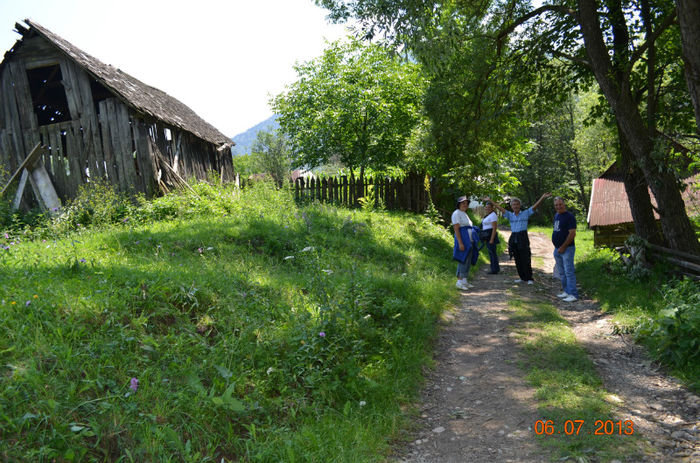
(215, 324)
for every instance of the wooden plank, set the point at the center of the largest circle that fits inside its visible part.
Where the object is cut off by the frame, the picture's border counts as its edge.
(44, 190)
(127, 147)
(20, 189)
(13, 119)
(58, 169)
(28, 162)
(110, 142)
(74, 178)
(691, 257)
(143, 155)
(71, 86)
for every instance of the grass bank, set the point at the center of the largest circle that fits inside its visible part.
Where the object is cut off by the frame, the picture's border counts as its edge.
(221, 326)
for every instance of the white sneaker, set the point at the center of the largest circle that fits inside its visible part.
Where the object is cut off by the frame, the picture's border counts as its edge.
(518, 281)
(563, 295)
(530, 282)
(570, 298)
(462, 286)
(468, 285)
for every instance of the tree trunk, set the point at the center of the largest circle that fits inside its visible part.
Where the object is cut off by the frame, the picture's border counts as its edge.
(638, 195)
(578, 171)
(674, 218)
(689, 21)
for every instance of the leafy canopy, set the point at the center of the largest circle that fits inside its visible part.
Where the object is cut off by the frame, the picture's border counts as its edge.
(356, 104)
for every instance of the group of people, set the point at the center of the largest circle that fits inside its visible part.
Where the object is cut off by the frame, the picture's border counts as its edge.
(467, 237)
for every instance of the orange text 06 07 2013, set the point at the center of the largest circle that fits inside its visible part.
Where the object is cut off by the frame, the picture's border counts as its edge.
(577, 427)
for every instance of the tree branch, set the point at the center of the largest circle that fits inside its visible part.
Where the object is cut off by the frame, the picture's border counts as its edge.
(571, 58)
(668, 22)
(536, 12)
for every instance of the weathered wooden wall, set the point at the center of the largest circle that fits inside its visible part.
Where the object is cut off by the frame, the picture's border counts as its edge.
(103, 139)
(612, 235)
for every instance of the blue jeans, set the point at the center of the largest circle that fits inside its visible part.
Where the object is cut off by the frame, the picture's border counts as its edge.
(566, 263)
(463, 268)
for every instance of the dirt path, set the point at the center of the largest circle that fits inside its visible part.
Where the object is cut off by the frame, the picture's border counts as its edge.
(477, 406)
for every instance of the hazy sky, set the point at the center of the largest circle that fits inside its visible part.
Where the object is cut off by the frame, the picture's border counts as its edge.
(221, 58)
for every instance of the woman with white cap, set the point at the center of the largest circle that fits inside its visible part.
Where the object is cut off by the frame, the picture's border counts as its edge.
(464, 245)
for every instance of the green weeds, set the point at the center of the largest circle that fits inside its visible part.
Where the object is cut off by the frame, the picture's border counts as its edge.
(257, 330)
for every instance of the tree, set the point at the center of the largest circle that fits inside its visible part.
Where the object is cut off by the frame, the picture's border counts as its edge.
(271, 154)
(356, 103)
(688, 12)
(625, 45)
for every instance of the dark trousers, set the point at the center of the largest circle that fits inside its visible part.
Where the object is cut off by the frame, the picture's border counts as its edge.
(519, 247)
(493, 257)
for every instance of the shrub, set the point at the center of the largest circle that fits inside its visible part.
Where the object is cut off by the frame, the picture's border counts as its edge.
(97, 203)
(673, 334)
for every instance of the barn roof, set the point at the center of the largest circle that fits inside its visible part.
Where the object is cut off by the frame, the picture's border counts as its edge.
(610, 206)
(133, 92)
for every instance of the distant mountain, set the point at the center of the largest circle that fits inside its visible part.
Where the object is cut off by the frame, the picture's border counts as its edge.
(244, 141)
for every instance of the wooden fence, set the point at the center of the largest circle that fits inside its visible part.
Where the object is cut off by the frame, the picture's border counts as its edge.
(407, 194)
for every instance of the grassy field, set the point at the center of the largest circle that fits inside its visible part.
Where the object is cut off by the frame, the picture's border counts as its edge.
(221, 325)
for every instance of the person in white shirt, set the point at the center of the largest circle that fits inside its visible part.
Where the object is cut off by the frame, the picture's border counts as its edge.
(489, 235)
(462, 225)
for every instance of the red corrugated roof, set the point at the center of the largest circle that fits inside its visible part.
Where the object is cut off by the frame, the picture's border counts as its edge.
(610, 206)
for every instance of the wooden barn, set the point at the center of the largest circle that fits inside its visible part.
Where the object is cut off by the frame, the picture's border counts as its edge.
(96, 121)
(609, 213)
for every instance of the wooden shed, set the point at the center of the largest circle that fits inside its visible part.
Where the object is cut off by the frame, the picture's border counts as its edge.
(609, 213)
(99, 122)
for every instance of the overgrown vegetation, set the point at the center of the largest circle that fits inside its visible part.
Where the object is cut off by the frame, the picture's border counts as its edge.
(214, 324)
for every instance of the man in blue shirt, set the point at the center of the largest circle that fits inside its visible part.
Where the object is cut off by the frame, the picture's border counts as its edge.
(519, 242)
(563, 235)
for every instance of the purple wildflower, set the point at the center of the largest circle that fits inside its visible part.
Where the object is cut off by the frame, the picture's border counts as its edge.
(82, 260)
(322, 334)
(200, 250)
(7, 237)
(26, 304)
(134, 384)
(125, 220)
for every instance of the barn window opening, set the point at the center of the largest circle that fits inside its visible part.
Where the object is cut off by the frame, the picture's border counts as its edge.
(48, 94)
(99, 93)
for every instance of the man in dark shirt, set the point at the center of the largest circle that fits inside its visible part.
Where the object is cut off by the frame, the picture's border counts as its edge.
(563, 236)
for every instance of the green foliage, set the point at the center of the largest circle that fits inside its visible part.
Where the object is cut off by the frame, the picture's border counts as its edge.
(568, 151)
(673, 334)
(271, 154)
(356, 104)
(96, 204)
(244, 165)
(258, 330)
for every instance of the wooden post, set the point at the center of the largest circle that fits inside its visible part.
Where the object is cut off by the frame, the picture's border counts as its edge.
(324, 190)
(344, 200)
